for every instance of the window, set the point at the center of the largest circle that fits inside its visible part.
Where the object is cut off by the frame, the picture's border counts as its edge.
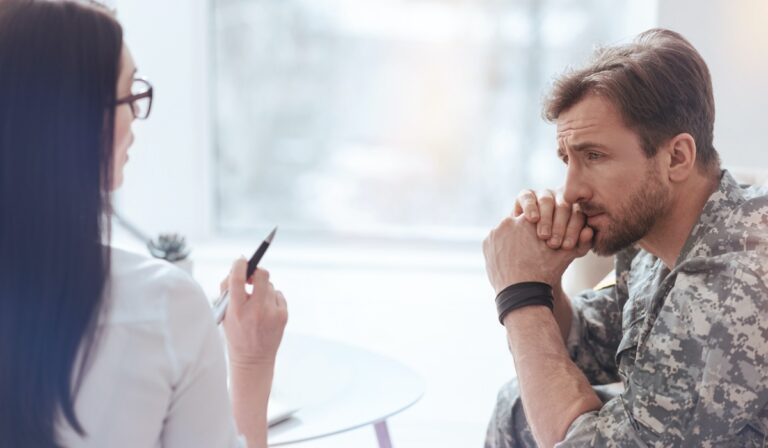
(385, 117)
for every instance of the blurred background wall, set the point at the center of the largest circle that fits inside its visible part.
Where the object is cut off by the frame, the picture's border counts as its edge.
(172, 173)
(733, 39)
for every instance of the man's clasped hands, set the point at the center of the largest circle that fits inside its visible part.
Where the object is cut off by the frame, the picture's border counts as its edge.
(537, 242)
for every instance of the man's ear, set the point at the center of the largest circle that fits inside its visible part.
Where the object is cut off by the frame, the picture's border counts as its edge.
(682, 156)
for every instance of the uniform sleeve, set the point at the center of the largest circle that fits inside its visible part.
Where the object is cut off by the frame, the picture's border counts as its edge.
(199, 414)
(702, 377)
(595, 334)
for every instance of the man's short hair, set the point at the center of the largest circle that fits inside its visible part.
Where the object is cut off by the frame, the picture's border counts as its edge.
(659, 83)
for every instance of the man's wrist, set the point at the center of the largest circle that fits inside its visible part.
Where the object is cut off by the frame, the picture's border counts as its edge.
(522, 295)
(557, 290)
(513, 278)
(525, 313)
(523, 279)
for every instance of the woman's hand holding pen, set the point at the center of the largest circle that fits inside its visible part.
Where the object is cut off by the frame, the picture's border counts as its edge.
(254, 322)
(254, 325)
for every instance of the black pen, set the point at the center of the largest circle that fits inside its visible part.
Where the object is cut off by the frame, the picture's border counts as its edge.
(220, 305)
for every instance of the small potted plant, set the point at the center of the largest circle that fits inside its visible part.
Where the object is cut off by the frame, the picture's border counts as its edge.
(173, 248)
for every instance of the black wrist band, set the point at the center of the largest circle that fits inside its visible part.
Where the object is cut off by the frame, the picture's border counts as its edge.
(523, 294)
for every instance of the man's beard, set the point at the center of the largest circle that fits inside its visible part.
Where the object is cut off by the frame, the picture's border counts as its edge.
(633, 219)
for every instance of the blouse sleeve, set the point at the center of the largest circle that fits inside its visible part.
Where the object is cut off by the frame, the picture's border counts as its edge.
(199, 412)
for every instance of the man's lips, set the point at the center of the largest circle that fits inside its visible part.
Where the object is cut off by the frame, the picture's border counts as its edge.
(594, 218)
(593, 215)
(590, 210)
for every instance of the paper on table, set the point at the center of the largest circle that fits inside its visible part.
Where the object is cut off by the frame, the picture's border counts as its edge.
(279, 411)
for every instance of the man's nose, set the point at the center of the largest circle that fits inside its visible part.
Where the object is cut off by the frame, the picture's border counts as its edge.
(576, 188)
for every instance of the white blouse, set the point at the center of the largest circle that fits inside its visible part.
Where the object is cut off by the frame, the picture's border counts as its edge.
(157, 376)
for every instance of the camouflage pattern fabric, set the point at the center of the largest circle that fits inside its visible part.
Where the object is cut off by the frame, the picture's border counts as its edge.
(690, 345)
(510, 429)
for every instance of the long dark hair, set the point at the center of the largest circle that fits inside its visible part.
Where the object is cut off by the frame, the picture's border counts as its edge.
(59, 65)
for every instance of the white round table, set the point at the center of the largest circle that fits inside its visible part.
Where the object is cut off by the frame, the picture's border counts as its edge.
(337, 388)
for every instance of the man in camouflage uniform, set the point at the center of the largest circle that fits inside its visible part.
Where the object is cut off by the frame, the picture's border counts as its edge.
(683, 325)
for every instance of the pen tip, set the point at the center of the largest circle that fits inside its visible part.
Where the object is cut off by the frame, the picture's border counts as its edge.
(271, 235)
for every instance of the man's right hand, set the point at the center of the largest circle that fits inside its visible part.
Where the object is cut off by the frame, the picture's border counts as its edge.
(557, 222)
(560, 225)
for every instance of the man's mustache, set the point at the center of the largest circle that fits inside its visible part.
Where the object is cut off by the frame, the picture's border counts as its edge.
(591, 209)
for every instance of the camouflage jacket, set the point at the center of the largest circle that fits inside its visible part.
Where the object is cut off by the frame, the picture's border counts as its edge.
(689, 344)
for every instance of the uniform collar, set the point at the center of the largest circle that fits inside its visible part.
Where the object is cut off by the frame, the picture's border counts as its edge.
(714, 233)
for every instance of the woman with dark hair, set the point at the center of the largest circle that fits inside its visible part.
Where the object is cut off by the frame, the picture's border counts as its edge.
(100, 347)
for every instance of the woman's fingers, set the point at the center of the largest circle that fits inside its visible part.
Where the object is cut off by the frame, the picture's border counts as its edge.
(281, 307)
(237, 294)
(262, 287)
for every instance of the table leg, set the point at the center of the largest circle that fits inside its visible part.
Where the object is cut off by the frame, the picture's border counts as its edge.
(382, 434)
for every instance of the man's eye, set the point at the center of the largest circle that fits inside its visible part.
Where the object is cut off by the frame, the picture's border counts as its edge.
(564, 158)
(593, 155)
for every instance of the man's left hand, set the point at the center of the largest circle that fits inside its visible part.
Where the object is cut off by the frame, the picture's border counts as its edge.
(514, 254)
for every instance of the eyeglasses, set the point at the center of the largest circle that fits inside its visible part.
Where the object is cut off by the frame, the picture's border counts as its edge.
(140, 98)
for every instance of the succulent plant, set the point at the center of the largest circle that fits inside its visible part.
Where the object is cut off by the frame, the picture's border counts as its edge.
(169, 246)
